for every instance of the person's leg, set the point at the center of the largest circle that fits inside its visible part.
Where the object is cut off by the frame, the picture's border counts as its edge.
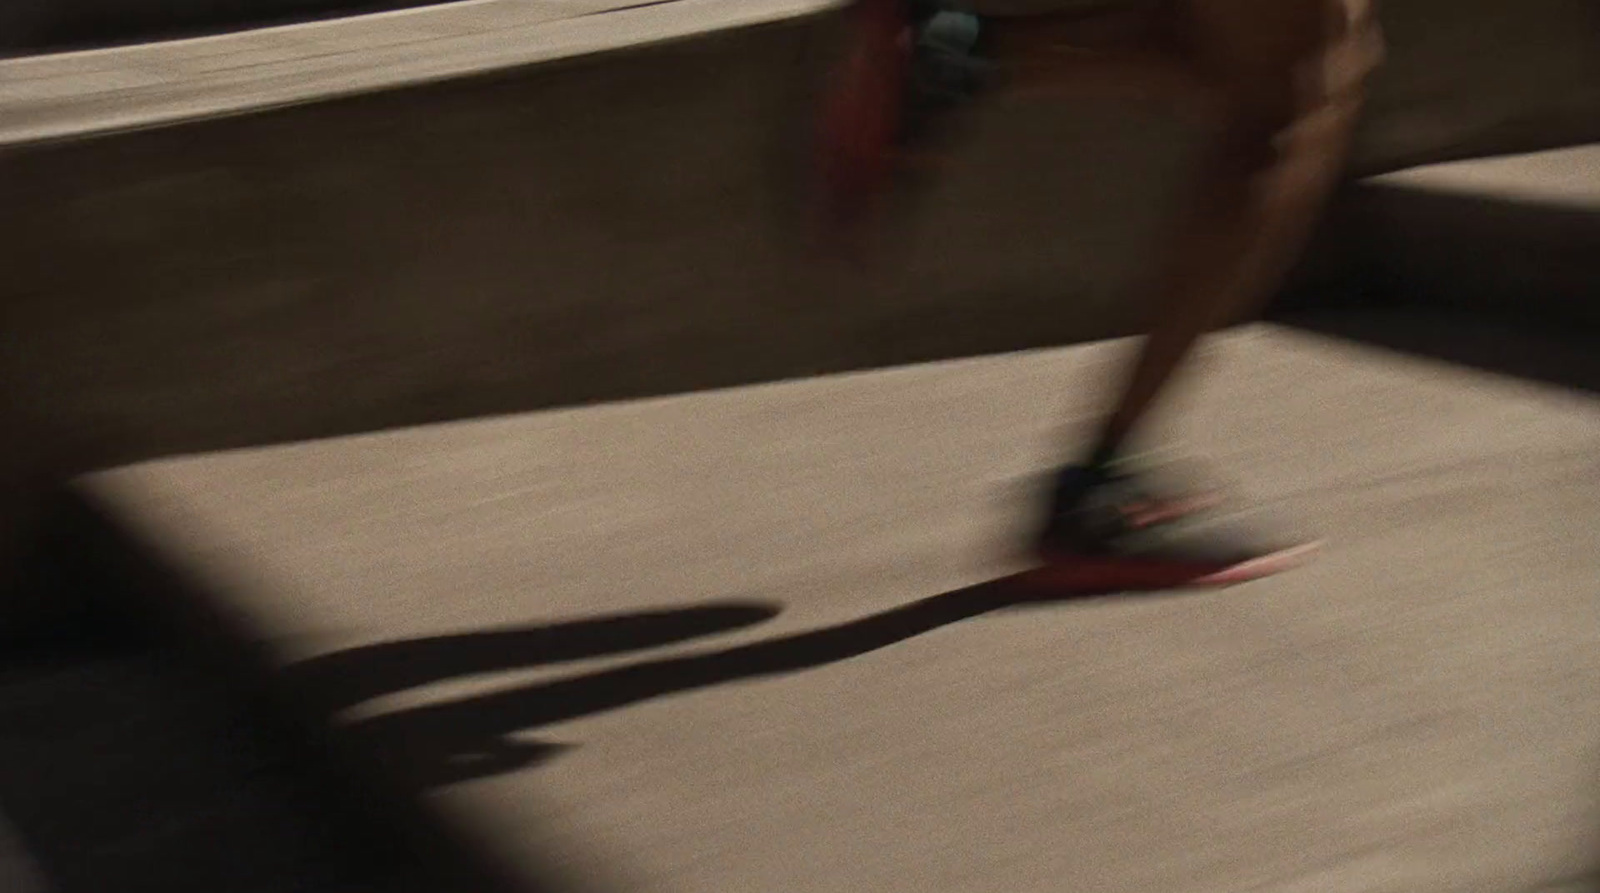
(1289, 76)
(1285, 77)
(1281, 82)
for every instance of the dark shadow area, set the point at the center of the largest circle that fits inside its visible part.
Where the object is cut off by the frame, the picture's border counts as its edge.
(134, 756)
(30, 27)
(59, 612)
(1504, 285)
(1530, 259)
(1481, 340)
(473, 737)
(350, 677)
(1477, 279)
(125, 771)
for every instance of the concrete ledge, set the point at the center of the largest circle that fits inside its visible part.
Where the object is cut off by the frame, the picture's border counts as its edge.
(36, 27)
(1463, 79)
(104, 91)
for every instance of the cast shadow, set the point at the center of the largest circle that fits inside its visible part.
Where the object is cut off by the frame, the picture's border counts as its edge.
(487, 734)
(1478, 340)
(347, 678)
(1503, 285)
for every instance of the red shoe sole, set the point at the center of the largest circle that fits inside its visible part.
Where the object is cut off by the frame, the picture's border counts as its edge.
(1079, 574)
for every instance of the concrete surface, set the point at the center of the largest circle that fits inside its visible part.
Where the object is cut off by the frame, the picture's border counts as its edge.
(1561, 178)
(42, 26)
(57, 96)
(740, 641)
(1464, 79)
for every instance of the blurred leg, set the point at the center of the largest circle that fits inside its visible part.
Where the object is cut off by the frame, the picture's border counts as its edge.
(1288, 78)
(1280, 84)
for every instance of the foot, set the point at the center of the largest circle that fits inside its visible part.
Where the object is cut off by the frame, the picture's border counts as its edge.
(1115, 530)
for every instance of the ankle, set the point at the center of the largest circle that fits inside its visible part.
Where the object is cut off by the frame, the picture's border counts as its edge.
(1104, 455)
(1072, 485)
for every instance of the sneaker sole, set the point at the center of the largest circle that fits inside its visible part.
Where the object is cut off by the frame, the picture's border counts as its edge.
(1082, 574)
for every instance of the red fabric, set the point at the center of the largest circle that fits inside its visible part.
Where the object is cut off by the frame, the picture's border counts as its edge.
(862, 110)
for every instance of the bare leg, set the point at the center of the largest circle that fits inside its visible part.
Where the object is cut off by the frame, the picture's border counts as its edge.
(1279, 82)
(1289, 105)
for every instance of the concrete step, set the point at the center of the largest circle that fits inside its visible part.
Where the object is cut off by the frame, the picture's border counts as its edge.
(749, 640)
(1516, 235)
(505, 205)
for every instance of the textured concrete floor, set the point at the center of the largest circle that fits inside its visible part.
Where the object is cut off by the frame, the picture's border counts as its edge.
(726, 641)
